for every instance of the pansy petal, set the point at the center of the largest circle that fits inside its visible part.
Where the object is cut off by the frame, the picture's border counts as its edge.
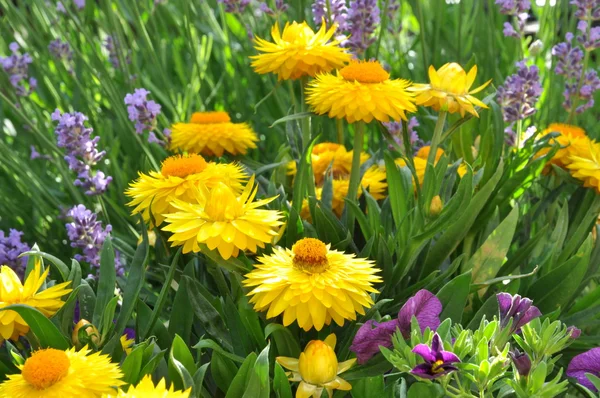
(426, 307)
(425, 352)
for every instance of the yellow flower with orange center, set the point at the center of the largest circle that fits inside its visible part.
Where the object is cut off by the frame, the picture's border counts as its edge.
(12, 291)
(584, 164)
(52, 373)
(312, 284)
(570, 138)
(213, 134)
(317, 369)
(223, 220)
(299, 52)
(361, 91)
(449, 90)
(178, 178)
(146, 389)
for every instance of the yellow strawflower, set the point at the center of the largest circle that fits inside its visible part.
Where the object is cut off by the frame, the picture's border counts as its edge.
(570, 138)
(12, 291)
(146, 389)
(90, 330)
(213, 134)
(317, 369)
(178, 178)
(52, 373)
(127, 344)
(363, 91)
(299, 52)
(223, 220)
(584, 164)
(449, 89)
(312, 284)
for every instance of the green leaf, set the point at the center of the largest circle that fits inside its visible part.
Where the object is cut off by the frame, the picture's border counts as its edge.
(181, 318)
(207, 343)
(454, 297)
(289, 118)
(258, 385)
(222, 370)
(44, 330)
(238, 385)
(281, 384)
(181, 364)
(132, 365)
(106, 281)
(287, 344)
(421, 390)
(60, 266)
(368, 387)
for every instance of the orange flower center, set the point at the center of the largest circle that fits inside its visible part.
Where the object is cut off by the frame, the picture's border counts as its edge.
(436, 367)
(210, 117)
(45, 368)
(310, 255)
(182, 166)
(365, 72)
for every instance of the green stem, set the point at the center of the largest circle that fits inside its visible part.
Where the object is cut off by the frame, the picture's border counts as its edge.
(353, 185)
(519, 133)
(422, 34)
(436, 139)
(306, 120)
(339, 128)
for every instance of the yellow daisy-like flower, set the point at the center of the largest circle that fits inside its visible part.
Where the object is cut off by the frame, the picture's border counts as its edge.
(329, 153)
(127, 344)
(12, 291)
(178, 178)
(570, 139)
(585, 164)
(317, 369)
(298, 52)
(223, 221)
(146, 389)
(212, 134)
(52, 373)
(312, 284)
(449, 89)
(363, 91)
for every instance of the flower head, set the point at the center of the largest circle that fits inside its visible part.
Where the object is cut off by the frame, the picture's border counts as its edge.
(317, 369)
(88, 331)
(17, 68)
(521, 361)
(11, 248)
(141, 111)
(588, 362)
(298, 51)
(516, 308)
(569, 139)
(437, 362)
(212, 134)
(513, 7)
(179, 178)
(60, 49)
(12, 291)
(395, 129)
(82, 151)
(127, 340)
(223, 220)
(113, 46)
(424, 306)
(338, 12)
(363, 91)
(312, 284)
(584, 163)
(146, 389)
(449, 89)
(363, 18)
(51, 373)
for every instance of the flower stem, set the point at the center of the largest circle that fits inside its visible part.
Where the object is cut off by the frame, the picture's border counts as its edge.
(306, 120)
(339, 128)
(435, 140)
(353, 185)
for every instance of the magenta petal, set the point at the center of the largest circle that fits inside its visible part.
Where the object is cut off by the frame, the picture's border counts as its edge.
(425, 352)
(423, 370)
(370, 337)
(425, 306)
(588, 362)
(504, 303)
(574, 332)
(449, 357)
(532, 313)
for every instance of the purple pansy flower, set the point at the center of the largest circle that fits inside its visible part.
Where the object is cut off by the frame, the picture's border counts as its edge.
(522, 362)
(588, 362)
(437, 361)
(517, 308)
(130, 333)
(424, 305)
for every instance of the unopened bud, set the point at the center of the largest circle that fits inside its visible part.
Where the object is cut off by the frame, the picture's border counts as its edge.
(521, 361)
(436, 206)
(536, 47)
(89, 333)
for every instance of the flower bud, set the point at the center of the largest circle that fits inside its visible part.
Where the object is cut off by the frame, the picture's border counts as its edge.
(90, 330)
(436, 206)
(318, 363)
(521, 361)
(536, 48)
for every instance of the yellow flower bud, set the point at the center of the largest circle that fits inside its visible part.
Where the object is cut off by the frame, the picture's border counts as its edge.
(151, 238)
(318, 363)
(91, 331)
(436, 206)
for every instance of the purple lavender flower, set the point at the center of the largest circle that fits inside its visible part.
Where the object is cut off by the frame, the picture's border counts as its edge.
(141, 111)
(60, 7)
(11, 248)
(509, 27)
(437, 362)
(517, 308)
(82, 151)
(424, 305)
(280, 7)
(113, 47)
(36, 155)
(392, 17)
(338, 13)
(86, 233)
(587, 9)
(363, 18)
(79, 3)
(568, 58)
(519, 94)
(509, 31)
(235, 6)
(61, 50)
(588, 362)
(590, 41)
(521, 361)
(17, 68)
(513, 7)
(395, 129)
